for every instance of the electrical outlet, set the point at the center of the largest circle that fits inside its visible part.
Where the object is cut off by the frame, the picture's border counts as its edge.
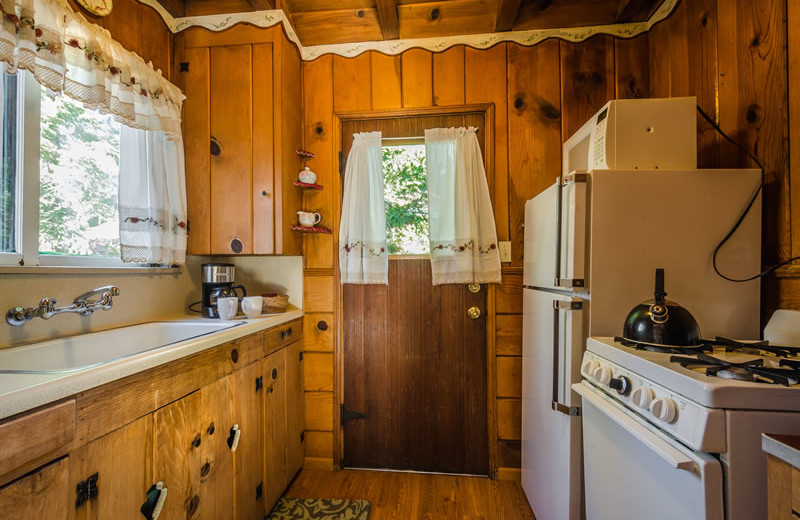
(505, 251)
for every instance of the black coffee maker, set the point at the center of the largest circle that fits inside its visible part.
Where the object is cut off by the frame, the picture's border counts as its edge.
(218, 283)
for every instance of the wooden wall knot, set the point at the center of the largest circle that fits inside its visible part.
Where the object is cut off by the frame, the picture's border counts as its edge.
(519, 101)
(549, 110)
(360, 13)
(586, 78)
(434, 14)
(754, 114)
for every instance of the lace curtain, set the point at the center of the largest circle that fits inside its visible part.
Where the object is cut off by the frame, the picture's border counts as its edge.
(363, 257)
(152, 207)
(463, 236)
(68, 54)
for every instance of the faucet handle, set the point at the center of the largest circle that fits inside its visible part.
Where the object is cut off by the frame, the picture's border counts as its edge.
(47, 308)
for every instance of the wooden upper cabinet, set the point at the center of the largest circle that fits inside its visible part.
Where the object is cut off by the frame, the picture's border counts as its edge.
(242, 127)
(192, 457)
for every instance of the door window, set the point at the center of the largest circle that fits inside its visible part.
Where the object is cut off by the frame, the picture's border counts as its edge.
(406, 199)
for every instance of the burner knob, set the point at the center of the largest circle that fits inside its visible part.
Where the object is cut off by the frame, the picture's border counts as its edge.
(603, 375)
(664, 409)
(621, 384)
(589, 367)
(642, 396)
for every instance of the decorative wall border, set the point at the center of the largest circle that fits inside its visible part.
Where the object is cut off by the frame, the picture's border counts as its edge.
(219, 22)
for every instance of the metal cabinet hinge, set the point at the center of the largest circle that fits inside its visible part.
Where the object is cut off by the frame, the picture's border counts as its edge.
(567, 305)
(259, 383)
(87, 490)
(341, 162)
(349, 415)
(301, 356)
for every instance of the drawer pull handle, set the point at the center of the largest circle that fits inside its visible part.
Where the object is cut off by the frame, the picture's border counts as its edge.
(233, 438)
(322, 325)
(289, 332)
(283, 334)
(235, 356)
(154, 502)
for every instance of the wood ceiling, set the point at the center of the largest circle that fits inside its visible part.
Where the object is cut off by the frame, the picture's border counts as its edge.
(320, 22)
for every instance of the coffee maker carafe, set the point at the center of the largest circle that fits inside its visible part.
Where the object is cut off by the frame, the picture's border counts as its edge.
(218, 283)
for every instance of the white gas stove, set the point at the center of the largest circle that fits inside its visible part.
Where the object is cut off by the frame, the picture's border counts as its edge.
(681, 428)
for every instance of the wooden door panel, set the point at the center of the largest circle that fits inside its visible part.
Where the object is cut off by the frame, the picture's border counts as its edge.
(43, 494)
(231, 170)
(123, 461)
(275, 427)
(295, 417)
(415, 363)
(248, 460)
(192, 458)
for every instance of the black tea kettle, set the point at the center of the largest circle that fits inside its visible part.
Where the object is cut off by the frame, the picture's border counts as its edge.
(661, 322)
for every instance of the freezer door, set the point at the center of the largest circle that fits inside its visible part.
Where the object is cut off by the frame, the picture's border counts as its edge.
(633, 470)
(551, 354)
(555, 236)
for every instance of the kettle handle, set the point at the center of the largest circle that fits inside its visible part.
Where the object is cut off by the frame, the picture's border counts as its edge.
(659, 296)
(244, 292)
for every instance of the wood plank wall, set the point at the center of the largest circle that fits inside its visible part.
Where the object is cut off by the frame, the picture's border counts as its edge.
(541, 95)
(732, 55)
(139, 28)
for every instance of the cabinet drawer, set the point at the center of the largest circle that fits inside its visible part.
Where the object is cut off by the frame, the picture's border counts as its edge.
(284, 335)
(35, 438)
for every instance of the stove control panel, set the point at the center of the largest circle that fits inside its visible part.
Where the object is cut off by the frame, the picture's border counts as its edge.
(699, 427)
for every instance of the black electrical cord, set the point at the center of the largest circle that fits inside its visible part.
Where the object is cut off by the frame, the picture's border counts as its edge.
(747, 208)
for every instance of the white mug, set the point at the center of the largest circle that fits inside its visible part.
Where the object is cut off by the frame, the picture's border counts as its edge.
(251, 306)
(227, 307)
(308, 219)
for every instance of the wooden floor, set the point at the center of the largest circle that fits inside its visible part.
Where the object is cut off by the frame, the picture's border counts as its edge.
(414, 496)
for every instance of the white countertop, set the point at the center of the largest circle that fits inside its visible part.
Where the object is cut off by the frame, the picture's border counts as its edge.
(22, 392)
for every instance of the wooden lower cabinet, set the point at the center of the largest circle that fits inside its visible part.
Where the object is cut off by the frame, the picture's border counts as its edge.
(295, 416)
(39, 495)
(123, 463)
(248, 461)
(183, 444)
(192, 457)
(276, 473)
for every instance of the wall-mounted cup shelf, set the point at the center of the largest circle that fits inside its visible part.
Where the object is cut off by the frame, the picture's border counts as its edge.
(312, 229)
(308, 186)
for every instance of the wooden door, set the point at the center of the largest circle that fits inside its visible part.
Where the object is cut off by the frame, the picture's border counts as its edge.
(41, 494)
(415, 365)
(123, 463)
(275, 430)
(295, 417)
(192, 457)
(248, 460)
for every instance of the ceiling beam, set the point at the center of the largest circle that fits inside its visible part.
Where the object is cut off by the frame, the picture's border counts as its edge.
(262, 5)
(175, 8)
(507, 11)
(387, 19)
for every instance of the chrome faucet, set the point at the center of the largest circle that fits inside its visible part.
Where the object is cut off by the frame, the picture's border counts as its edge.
(84, 304)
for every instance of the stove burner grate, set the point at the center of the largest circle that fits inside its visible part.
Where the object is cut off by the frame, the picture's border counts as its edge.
(786, 374)
(757, 347)
(665, 349)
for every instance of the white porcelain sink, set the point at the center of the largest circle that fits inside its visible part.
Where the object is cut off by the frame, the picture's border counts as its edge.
(97, 348)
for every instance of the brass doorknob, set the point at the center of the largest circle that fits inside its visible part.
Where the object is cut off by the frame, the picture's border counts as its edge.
(474, 313)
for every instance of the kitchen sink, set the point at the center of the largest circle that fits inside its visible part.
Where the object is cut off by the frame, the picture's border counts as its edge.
(84, 351)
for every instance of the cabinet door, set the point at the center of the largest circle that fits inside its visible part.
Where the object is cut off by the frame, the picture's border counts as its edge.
(248, 460)
(231, 169)
(275, 431)
(43, 494)
(192, 457)
(123, 463)
(295, 418)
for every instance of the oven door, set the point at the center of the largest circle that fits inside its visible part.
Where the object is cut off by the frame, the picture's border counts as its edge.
(633, 470)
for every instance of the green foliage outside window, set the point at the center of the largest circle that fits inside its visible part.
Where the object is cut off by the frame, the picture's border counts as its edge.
(406, 199)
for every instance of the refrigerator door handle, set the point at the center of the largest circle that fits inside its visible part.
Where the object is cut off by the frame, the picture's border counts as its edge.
(559, 305)
(559, 194)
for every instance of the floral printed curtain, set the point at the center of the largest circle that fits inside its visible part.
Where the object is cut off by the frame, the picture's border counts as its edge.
(363, 257)
(68, 54)
(463, 236)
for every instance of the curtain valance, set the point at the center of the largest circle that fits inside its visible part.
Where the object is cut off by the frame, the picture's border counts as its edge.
(68, 54)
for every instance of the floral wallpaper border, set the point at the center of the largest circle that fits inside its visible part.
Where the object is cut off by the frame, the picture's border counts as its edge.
(394, 47)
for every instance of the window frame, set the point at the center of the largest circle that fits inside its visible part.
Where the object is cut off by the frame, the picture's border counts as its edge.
(28, 190)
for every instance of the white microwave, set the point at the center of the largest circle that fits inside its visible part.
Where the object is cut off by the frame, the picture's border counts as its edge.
(636, 134)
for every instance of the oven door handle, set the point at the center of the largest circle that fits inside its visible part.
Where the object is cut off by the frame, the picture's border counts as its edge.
(665, 450)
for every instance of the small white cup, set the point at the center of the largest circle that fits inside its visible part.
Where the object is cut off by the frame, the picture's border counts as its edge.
(227, 307)
(251, 306)
(308, 219)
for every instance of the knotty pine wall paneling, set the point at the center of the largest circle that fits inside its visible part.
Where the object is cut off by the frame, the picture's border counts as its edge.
(529, 87)
(735, 62)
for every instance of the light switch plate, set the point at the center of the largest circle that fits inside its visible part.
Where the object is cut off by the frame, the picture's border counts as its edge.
(505, 251)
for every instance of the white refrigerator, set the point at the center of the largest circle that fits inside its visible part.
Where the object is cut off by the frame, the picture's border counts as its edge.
(593, 242)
